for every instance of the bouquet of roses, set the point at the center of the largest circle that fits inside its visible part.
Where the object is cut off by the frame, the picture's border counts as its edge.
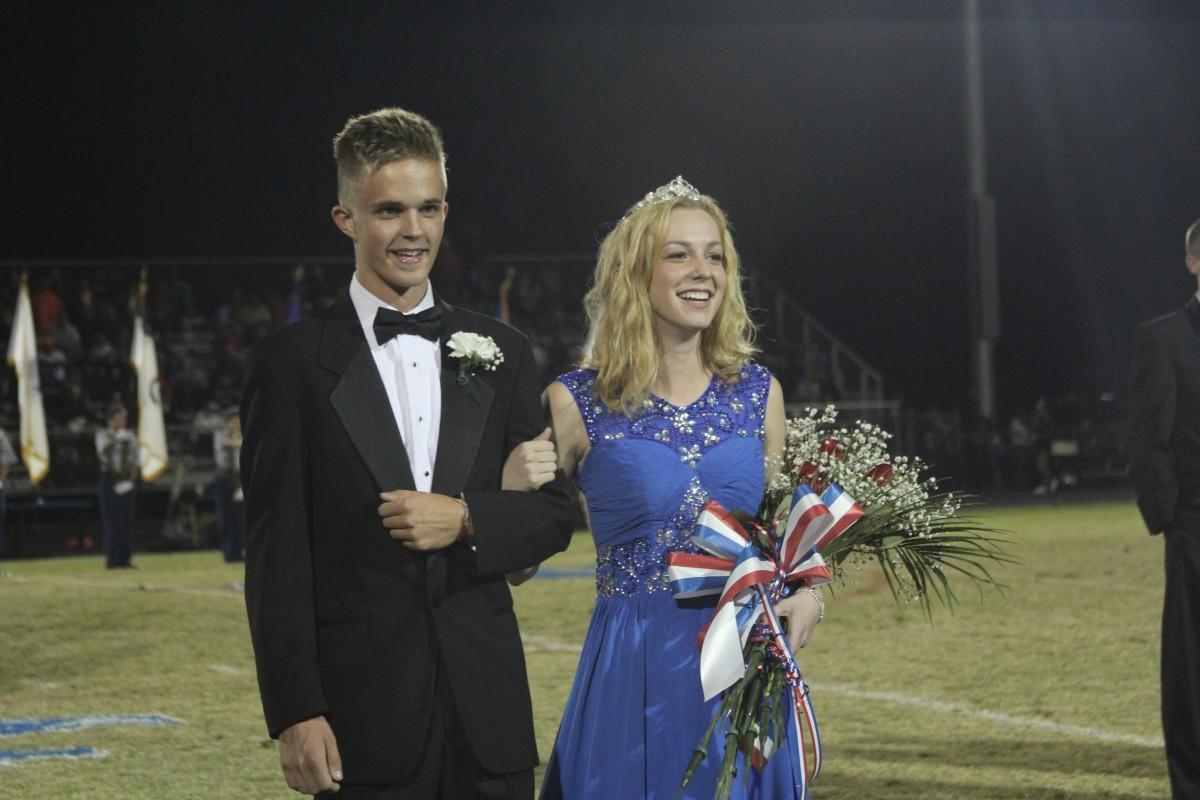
(838, 497)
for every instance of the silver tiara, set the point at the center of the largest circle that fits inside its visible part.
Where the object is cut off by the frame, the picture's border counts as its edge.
(676, 188)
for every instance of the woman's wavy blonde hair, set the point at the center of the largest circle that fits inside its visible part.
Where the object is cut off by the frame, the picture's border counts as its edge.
(621, 344)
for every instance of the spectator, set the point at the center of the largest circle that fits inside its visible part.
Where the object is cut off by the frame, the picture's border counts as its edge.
(1041, 425)
(227, 485)
(1020, 443)
(48, 310)
(117, 453)
(7, 459)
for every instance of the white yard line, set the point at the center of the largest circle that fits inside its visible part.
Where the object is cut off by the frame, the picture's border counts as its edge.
(126, 586)
(535, 643)
(545, 644)
(962, 709)
(225, 669)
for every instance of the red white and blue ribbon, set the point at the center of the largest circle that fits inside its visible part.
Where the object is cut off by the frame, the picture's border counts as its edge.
(750, 581)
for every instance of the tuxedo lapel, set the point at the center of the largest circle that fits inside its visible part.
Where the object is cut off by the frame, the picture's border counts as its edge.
(465, 409)
(360, 401)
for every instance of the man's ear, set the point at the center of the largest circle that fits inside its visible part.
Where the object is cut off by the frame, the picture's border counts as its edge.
(1193, 265)
(344, 220)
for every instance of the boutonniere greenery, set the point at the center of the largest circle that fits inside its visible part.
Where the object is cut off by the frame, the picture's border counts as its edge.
(474, 352)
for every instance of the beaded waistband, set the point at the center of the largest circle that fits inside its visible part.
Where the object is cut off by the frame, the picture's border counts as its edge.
(639, 566)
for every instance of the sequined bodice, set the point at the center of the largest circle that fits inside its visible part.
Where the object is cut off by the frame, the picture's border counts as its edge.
(647, 476)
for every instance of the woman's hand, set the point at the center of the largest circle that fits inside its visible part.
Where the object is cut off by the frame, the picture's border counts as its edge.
(802, 612)
(530, 465)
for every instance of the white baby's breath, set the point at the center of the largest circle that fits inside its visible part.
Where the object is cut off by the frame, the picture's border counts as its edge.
(904, 509)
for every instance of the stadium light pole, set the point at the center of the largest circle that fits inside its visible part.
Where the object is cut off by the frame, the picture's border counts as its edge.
(981, 210)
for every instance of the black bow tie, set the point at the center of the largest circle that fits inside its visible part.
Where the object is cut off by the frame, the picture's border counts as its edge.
(426, 324)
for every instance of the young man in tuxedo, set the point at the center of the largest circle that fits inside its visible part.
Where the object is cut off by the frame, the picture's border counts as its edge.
(377, 532)
(1164, 462)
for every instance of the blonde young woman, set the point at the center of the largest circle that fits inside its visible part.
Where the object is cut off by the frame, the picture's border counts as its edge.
(667, 412)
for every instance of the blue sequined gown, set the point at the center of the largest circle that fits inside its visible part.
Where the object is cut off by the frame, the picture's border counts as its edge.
(636, 708)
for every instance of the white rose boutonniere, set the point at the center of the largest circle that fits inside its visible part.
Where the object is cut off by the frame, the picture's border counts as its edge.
(474, 352)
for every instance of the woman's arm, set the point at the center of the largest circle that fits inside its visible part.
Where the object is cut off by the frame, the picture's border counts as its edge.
(570, 435)
(774, 431)
(802, 610)
(533, 463)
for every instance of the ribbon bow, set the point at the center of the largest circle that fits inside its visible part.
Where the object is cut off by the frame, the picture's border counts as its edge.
(750, 579)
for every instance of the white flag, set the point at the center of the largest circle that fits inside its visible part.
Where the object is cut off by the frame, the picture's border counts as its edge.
(22, 355)
(152, 432)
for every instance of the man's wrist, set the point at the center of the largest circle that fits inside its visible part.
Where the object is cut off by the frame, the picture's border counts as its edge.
(466, 529)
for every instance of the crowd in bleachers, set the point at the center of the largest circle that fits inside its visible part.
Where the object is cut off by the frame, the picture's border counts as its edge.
(204, 317)
(202, 326)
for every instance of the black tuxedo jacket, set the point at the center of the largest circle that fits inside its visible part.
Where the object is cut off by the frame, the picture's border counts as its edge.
(1164, 442)
(345, 621)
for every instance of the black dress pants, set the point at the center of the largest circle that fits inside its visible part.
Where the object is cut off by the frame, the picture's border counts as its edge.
(449, 769)
(117, 519)
(1181, 659)
(230, 517)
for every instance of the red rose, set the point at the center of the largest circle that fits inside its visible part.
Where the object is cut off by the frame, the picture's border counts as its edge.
(880, 473)
(808, 474)
(832, 447)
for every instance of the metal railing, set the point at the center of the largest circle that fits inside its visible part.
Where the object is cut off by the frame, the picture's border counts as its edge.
(854, 380)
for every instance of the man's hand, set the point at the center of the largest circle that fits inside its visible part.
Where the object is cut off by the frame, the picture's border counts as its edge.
(309, 756)
(530, 465)
(420, 520)
(802, 614)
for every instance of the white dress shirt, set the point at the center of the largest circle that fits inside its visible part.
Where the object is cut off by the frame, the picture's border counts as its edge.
(117, 451)
(410, 367)
(119, 456)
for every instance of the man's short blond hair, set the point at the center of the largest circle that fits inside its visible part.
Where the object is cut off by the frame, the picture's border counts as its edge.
(1192, 240)
(369, 141)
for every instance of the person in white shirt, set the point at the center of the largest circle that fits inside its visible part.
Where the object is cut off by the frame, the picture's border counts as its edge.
(227, 485)
(117, 455)
(7, 459)
(380, 437)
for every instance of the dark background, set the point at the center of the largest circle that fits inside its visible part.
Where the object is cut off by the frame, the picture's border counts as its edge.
(833, 134)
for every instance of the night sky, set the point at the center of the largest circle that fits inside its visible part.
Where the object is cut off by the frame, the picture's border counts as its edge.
(832, 133)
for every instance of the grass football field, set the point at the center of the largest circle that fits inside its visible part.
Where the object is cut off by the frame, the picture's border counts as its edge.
(1050, 691)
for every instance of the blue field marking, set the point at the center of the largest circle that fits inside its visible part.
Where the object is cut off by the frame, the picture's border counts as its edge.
(21, 727)
(10, 757)
(554, 574)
